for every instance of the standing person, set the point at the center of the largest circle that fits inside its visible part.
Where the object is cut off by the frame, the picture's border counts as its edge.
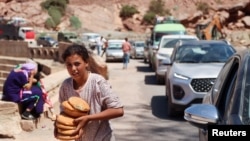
(100, 42)
(19, 88)
(105, 46)
(95, 90)
(126, 47)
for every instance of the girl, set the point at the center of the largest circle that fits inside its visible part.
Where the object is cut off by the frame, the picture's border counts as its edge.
(95, 90)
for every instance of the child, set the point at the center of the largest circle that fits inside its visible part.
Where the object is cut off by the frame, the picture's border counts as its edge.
(95, 90)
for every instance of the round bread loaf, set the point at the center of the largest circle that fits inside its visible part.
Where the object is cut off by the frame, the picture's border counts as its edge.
(79, 104)
(66, 137)
(65, 120)
(71, 111)
(65, 131)
(65, 127)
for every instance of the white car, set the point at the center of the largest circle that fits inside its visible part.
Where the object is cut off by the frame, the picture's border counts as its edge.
(192, 70)
(165, 48)
(89, 39)
(114, 50)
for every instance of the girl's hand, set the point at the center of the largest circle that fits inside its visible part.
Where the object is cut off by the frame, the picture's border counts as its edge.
(80, 122)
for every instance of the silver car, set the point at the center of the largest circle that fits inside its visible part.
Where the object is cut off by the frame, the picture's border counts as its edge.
(114, 50)
(137, 49)
(228, 102)
(192, 70)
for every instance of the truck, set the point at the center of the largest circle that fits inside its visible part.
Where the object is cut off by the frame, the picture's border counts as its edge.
(210, 31)
(13, 32)
(166, 28)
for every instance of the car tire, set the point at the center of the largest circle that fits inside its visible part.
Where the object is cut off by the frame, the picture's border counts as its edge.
(159, 79)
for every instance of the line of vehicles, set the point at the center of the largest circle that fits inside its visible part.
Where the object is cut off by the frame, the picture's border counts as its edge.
(205, 78)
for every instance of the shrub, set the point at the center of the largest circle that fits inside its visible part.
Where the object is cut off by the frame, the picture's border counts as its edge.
(50, 24)
(202, 6)
(75, 22)
(149, 18)
(157, 6)
(128, 11)
(55, 15)
(58, 3)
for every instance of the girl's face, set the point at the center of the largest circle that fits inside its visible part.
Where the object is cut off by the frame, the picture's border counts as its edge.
(76, 67)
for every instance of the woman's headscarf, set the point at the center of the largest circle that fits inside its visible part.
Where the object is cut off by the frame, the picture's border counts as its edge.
(26, 68)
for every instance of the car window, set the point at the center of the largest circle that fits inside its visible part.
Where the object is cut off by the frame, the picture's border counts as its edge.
(246, 94)
(115, 45)
(218, 85)
(227, 90)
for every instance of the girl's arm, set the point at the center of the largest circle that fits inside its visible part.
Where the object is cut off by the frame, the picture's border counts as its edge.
(107, 114)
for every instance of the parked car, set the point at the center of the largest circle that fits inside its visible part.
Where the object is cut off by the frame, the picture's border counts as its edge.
(146, 51)
(137, 48)
(70, 37)
(114, 51)
(165, 48)
(228, 102)
(192, 70)
(47, 41)
(89, 39)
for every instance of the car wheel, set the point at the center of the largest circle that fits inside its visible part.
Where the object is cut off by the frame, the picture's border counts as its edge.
(159, 79)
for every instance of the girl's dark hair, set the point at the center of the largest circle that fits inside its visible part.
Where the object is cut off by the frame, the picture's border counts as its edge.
(76, 49)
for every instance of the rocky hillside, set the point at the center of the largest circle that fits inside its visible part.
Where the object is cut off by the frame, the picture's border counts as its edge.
(103, 15)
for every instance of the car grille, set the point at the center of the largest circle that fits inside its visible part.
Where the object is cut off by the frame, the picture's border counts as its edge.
(202, 85)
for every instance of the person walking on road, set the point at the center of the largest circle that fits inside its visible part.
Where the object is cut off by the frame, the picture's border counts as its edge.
(126, 47)
(95, 90)
(105, 46)
(100, 42)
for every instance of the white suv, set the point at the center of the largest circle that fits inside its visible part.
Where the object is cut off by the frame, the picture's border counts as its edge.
(165, 48)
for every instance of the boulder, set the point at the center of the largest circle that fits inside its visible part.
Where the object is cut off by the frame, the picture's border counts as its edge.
(98, 65)
(10, 119)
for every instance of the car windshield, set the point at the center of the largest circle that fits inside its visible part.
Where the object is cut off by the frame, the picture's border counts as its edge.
(203, 53)
(142, 44)
(92, 37)
(115, 45)
(159, 35)
(171, 43)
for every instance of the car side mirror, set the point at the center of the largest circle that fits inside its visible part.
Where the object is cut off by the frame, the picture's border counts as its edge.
(201, 115)
(166, 61)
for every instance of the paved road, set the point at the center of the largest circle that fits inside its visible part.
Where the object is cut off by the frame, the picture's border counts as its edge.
(145, 109)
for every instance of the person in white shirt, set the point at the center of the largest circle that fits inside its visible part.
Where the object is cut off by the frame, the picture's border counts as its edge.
(100, 42)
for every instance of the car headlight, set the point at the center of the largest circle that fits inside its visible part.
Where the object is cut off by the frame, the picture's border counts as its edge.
(176, 75)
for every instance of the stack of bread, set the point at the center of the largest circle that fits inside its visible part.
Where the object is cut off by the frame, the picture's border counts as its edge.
(73, 108)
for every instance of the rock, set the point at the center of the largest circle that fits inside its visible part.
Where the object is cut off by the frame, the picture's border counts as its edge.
(98, 65)
(10, 119)
(27, 125)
